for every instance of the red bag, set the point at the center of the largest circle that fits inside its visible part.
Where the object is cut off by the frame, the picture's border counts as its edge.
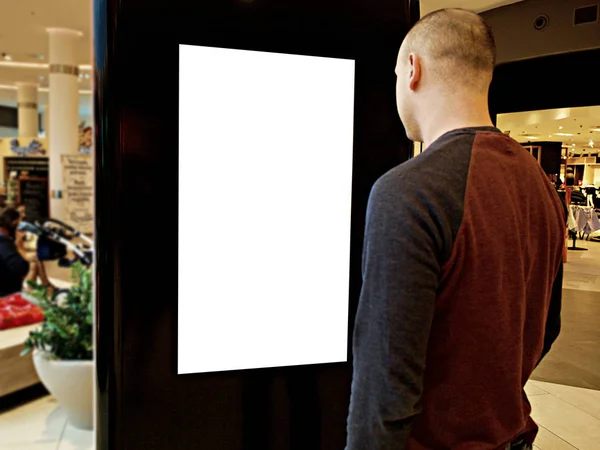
(15, 311)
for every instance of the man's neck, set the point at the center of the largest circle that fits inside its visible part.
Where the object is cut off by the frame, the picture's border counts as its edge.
(452, 114)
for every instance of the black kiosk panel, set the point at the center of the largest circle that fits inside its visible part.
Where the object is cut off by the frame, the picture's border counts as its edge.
(143, 403)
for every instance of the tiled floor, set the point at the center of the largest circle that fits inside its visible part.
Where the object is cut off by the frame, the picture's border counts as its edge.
(41, 425)
(582, 271)
(574, 359)
(569, 417)
(568, 414)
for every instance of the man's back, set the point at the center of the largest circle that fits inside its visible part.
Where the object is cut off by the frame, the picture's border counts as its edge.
(485, 259)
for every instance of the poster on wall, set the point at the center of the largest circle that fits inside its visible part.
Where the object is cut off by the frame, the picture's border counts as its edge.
(85, 138)
(78, 188)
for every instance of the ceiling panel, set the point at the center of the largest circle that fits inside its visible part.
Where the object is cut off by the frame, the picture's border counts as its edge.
(23, 38)
(477, 6)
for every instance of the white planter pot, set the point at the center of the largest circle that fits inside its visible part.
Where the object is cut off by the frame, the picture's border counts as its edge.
(71, 383)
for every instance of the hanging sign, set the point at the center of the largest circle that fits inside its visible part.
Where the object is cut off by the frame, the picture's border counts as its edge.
(32, 167)
(78, 191)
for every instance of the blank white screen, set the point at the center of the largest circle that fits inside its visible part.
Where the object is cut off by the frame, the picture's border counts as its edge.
(265, 183)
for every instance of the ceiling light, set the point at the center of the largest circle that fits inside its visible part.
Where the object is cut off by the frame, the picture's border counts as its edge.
(560, 128)
(591, 143)
(549, 135)
(8, 63)
(564, 134)
(573, 145)
(12, 87)
(23, 65)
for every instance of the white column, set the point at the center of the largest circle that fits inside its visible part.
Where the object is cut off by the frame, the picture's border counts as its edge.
(27, 102)
(63, 111)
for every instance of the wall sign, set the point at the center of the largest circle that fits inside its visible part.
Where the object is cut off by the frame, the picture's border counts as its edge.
(33, 193)
(78, 190)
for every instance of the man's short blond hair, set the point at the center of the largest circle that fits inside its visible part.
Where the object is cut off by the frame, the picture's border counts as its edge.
(459, 45)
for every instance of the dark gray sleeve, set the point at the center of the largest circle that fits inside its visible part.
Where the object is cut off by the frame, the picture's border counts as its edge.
(401, 267)
(553, 322)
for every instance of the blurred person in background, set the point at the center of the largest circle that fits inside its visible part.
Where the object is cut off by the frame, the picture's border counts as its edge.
(15, 264)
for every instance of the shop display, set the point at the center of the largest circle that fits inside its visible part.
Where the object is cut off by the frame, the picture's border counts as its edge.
(582, 220)
(12, 190)
(15, 311)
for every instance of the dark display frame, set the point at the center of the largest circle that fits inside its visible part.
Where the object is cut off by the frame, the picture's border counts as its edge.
(141, 401)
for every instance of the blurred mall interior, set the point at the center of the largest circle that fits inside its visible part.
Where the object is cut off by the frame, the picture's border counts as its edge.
(46, 155)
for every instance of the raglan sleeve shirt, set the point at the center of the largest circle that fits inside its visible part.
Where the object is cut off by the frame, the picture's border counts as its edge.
(401, 268)
(437, 240)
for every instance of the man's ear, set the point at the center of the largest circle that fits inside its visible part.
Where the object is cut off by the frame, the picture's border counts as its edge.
(414, 76)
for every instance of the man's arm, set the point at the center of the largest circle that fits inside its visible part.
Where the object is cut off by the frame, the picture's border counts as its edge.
(400, 279)
(553, 322)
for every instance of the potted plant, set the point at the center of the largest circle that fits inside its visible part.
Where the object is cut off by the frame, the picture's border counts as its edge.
(62, 345)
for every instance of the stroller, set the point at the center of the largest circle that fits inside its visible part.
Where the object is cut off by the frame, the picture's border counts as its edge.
(55, 238)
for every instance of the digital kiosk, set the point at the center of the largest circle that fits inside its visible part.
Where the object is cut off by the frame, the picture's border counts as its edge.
(240, 140)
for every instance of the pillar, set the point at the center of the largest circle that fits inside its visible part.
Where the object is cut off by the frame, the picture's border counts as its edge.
(63, 111)
(27, 102)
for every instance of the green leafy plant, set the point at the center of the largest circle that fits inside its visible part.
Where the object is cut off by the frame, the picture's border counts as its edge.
(66, 332)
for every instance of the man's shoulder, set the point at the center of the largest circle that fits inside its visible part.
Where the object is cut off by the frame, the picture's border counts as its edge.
(400, 179)
(441, 166)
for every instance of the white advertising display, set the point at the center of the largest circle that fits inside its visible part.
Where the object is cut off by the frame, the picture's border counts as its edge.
(265, 184)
